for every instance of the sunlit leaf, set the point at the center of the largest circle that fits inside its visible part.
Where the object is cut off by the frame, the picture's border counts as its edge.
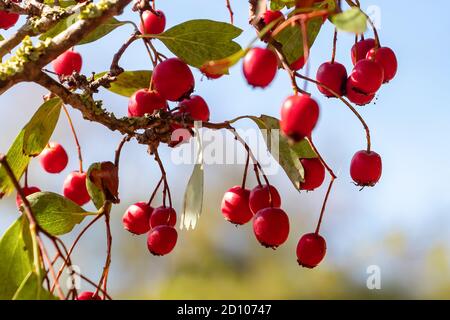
(351, 20)
(129, 82)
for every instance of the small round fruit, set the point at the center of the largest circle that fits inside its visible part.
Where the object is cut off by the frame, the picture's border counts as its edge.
(53, 158)
(271, 15)
(88, 295)
(360, 49)
(235, 205)
(367, 76)
(161, 240)
(145, 101)
(136, 218)
(8, 19)
(357, 97)
(299, 115)
(387, 59)
(260, 198)
(173, 79)
(314, 174)
(68, 63)
(334, 76)
(260, 67)
(162, 216)
(154, 22)
(271, 227)
(298, 64)
(366, 168)
(27, 191)
(311, 249)
(74, 188)
(196, 107)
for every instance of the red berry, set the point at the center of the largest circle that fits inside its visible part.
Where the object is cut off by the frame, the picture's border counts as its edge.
(260, 67)
(334, 76)
(88, 295)
(271, 227)
(260, 198)
(367, 76)
(173, 79)
(161, 240)
(136, 218)
(314, 174)
(298, 64)
(299, 115)
(145, 101)
(196, 107)
(154, 23)
(235, 205)
(74, 188)
(8, 19)
(163, 216)
(360, 49)
(366, 168)
(68, 63)
(387, 59)
(356, 96)
(54, 158)
(27, 191)
(270, 16)
(311, 249)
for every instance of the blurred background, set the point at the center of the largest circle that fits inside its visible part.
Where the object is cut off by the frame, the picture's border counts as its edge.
(401, 226)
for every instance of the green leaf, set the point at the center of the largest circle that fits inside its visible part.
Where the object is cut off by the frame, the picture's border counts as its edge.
(102, 31)
(351, 20)
(40, 123)
(31, 289)
(97, 195)
(1, 38)
(198, 41)
(129, 82)
(16, 258)
(280, 4)
(54, 213)
(287, 155)
(59, 27)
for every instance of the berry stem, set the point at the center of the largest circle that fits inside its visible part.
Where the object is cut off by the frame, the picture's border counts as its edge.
(26, 177)
(154, 191)
(230, 11)
(164, 176)
(333, 54)
(244, 178)
(74, 133)
(119, 150)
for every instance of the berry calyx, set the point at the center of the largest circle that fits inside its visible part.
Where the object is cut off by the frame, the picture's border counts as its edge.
(311, 250)
(298, 64)
(299, 115)
(261, 197)
(74, 188)
(53, 158)
(235, 205)
(387, 59)
(173, 79)
(360, 49)
(196, 107)
(8, 19)
(88, 295)
(271, 15)
(314, 174)
(366, 168)
(334, 76)
(136, 218)
(367, 76)
(161, 240)
(153, 22)
(260, 67)
(67, 63)
(27, 191)
(163, 216)
(145, 101)
(271, 227)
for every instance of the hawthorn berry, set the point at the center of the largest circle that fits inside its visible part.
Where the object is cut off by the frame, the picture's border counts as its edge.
(361, 48)
(271, 227)
(137, 218)
(260, 67)
(270, 16)
(153, 22)
(74, 188)
(314, 174)
(88, 295)
(27, 191)
(196, 107)
(356, 96)
(161, 240)
(311, 249)
(163, 216)
(67, 63)
(261, 197)
(54, 158)
(366, 168)
(334, 76)
(8, 19)
(173, 79)
(235, 205)
(387, 59)
(367, 76)
(145, 101)
(299, 115)
(298, 64)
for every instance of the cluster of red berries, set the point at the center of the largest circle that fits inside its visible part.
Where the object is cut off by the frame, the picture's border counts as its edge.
(8, 19)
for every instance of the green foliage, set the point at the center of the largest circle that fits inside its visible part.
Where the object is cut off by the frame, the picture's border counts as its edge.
(30, 142)
(31, 289)
(97, 195)
(129, 82)
(351, 20)
(280, 4)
